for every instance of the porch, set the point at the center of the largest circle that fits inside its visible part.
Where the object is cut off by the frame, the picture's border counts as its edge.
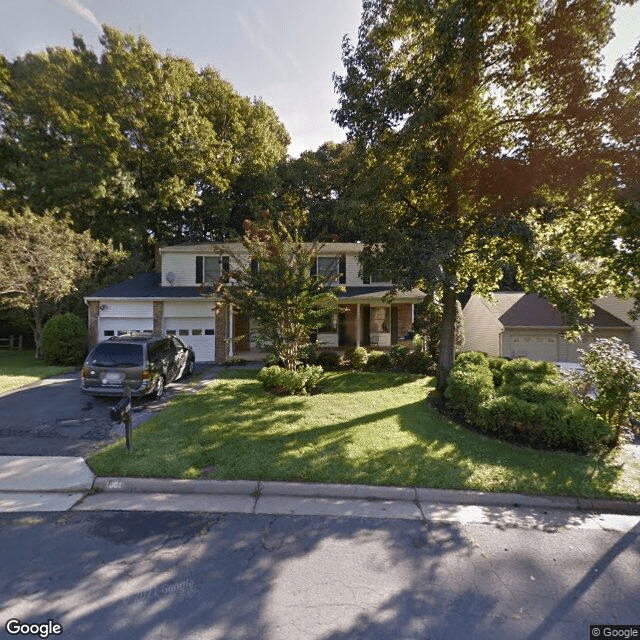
(372, 325)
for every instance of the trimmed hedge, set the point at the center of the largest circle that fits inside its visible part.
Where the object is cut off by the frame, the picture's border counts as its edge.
(328, 359)
(65, 340)
(530, 406)
(281, 381)
(357, 356)
(398, 353)
(379, 361)
(470, 383)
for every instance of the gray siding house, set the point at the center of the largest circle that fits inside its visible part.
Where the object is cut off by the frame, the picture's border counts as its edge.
(519, 324)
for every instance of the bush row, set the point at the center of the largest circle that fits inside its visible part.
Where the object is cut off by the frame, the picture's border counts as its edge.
(398, 358)
(523, 402)
(281, 381)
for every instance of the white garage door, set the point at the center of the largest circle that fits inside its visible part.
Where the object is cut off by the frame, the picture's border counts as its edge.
(195, 332)
(108, 327)
(533, 347)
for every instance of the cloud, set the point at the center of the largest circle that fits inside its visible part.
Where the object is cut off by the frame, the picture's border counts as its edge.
(83, 12)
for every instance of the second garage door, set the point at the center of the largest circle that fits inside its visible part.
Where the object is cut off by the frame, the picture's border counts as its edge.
(195, 332)
(534, 347)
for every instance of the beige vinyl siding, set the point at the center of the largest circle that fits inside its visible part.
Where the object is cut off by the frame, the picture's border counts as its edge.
(352, 268)
(183, 266)
(620, 309)
(481, 327)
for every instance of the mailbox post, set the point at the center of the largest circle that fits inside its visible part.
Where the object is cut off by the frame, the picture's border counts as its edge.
(122, 413)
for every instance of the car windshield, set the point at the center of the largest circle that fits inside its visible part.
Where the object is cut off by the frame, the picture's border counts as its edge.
(116, 355)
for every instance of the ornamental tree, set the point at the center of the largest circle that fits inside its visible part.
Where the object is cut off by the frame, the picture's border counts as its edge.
(272, 284)
(479, 126)
(41, 261)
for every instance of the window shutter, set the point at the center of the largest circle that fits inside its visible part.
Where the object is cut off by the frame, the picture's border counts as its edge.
(254, 265)
(342, 270)
(225, 264)
(314, 267)
(199, 269)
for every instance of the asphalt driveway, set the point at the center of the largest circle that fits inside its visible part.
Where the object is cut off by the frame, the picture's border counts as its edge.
(55, 419)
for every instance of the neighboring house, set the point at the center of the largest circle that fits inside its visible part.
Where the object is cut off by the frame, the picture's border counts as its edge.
(173, 301)
(519, 324)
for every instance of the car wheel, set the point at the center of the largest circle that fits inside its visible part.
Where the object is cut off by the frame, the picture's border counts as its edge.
(157, 394)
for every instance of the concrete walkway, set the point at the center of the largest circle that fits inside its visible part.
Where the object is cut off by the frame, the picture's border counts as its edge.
(30, 484)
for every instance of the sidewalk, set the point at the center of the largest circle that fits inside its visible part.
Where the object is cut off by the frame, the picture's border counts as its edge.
(30, 484)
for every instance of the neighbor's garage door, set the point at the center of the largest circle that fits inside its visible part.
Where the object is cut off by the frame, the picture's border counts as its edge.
(108, 327)
(195, 332)
(533, 347)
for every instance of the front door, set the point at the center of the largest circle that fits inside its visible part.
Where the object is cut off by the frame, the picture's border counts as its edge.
(241, 328)
(394, 324)
(366, 324)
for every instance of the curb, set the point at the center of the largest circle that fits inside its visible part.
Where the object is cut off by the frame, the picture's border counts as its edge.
(363, 492)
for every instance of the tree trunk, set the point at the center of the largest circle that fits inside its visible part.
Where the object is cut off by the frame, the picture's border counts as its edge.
(37, 331)
(447, 338)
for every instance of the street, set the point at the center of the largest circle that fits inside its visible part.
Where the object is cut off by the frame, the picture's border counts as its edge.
(188, 576)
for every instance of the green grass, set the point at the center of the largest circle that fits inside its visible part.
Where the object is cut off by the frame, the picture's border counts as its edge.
(365, 428)
(18, 368)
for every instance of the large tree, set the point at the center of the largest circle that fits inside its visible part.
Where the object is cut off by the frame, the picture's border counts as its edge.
(132, 143)
(480, 133)
(41, 261)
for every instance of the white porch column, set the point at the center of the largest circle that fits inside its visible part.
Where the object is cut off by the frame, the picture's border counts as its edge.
(231, 331)
(358, 327)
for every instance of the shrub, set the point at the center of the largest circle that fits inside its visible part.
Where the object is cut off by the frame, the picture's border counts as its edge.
(379, 361)
(472, 357)
(65, 340)
(285, 382)
(398, 353)
(470, 383)
(328, 359)
(520, 369)
(558, 424)
(612, 371)
(496, 364)
(418, 362)
(357, 357)
(235, 362)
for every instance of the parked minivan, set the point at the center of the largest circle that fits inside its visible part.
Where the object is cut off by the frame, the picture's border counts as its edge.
(145, 362)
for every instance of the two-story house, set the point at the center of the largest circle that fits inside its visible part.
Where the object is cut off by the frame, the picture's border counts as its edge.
(172, 300)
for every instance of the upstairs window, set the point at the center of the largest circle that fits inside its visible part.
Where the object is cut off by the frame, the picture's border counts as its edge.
(209, 269)
(331, 266)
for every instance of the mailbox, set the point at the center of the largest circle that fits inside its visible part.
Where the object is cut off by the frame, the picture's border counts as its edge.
(121, 411)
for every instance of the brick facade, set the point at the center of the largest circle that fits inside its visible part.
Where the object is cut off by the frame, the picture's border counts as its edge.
(158, 316)
(93, 312)
(221, 333)
(405, 321)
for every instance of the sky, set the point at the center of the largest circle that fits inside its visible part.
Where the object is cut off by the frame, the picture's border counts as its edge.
(283, 51)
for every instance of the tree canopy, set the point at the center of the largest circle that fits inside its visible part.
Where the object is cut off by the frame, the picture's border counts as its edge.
(41, 261)
(132, 143)
(479, 126)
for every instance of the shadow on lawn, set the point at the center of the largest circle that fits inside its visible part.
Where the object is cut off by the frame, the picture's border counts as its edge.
(255, 436)
(440, 454)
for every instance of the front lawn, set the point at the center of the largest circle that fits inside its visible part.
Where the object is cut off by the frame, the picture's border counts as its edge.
(366, 428)
(18, 368)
